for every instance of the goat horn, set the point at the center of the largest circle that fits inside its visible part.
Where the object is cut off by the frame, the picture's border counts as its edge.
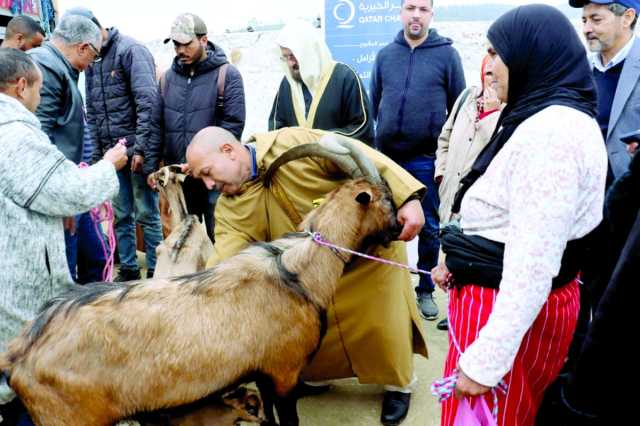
(338, 150)
(366, 166)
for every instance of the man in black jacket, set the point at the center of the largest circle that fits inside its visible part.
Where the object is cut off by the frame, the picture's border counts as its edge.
(191, 100)
(120, 91)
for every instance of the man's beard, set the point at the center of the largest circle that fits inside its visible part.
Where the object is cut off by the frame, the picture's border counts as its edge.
(595, 45)
(416, 35)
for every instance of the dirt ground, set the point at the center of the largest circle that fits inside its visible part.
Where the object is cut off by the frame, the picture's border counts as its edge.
(350, 403)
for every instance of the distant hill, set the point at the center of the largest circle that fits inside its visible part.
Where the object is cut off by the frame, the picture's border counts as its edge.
(488, 12)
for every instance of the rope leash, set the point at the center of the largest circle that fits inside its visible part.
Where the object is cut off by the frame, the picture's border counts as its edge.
(317, 238)
(444, 388)
(100, 214)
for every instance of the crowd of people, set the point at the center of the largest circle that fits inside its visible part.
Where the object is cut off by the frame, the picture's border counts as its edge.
(522, 190)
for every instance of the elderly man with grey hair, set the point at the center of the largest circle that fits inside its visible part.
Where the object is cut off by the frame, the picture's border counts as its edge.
(74, 45)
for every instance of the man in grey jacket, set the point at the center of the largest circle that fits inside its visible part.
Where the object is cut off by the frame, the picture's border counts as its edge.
(120, 91)
(38, 187)
(74, 45)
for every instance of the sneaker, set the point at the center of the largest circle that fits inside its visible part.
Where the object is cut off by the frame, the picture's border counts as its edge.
(127, 275)
(427, 306)
(150, 273)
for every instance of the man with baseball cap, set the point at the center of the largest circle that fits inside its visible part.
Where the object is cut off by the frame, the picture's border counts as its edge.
(201, 89)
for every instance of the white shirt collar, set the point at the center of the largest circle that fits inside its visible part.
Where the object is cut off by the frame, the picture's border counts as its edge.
(596, 59)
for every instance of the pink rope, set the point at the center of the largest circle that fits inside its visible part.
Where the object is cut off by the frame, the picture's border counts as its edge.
(100, 214)
(317, 238)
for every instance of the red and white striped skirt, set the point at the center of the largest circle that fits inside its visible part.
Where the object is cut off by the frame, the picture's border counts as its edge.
(539, 360)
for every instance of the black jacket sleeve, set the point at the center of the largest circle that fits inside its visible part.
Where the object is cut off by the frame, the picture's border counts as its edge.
(141, 70)
(152, 150)
(281, 107)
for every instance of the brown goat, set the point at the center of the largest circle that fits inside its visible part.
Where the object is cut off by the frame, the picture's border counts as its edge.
(240, 405)
(188, 247)
(105, 352)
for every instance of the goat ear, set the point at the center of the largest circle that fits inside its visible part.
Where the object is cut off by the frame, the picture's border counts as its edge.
(364, 198)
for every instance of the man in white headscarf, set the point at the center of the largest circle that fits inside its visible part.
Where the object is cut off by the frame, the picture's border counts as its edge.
(318, 92)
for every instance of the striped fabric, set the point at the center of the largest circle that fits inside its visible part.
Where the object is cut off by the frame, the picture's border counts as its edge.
(541, 356)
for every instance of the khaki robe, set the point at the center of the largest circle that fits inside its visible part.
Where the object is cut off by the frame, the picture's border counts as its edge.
(373, 323)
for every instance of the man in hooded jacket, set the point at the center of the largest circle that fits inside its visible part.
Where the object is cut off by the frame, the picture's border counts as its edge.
(316, 91)
(415, 82)
(188, 102)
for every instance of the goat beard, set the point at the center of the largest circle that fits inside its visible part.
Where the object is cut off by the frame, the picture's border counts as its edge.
(382, 238)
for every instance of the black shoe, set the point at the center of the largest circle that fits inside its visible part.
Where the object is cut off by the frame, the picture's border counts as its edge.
(395, 406)
(127, 275)
(303, 389)
(150, 273)
(443, 324)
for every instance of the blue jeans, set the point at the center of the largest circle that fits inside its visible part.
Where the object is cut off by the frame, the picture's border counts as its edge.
(423, 169)
(85, 256)
(136, 202)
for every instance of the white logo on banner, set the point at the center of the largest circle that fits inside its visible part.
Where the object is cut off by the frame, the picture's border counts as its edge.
(344, 12)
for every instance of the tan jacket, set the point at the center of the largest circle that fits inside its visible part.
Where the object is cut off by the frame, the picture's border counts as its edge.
(373, 323)
(458, 146)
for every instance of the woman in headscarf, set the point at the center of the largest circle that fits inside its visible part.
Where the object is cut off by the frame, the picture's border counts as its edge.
(532, 194)
(464, 135)
(466, 132)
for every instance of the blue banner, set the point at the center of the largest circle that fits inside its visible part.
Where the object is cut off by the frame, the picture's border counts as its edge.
(355, 30)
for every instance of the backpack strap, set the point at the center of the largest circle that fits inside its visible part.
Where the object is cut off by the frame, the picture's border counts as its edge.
(463, 99)
(222, 75)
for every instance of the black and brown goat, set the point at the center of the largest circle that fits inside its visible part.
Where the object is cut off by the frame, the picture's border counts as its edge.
(240, 405)
(188, 247)
(106, 352)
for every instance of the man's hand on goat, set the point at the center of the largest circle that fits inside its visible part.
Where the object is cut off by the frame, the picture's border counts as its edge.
(441, 276)
(185, 168)
(411, 217)
(117, 156)
(136, 163)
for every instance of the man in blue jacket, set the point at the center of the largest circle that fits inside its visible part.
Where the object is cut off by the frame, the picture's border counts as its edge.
(120, 89)
(192, 97)
(415, 81)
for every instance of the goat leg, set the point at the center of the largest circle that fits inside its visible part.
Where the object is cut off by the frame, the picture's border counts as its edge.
(287, 410)
(267, 393)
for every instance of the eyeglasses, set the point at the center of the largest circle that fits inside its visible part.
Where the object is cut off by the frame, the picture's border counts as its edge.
(288, 58)
(98, 58)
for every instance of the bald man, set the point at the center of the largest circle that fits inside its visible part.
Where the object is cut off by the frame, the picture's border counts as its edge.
(373, 325)
(23, 33)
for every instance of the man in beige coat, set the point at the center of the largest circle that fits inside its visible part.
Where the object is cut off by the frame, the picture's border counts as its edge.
(373, 323)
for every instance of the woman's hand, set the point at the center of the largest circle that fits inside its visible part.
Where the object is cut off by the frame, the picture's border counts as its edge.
(467, 387)
(490, 98)
(441, 276)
